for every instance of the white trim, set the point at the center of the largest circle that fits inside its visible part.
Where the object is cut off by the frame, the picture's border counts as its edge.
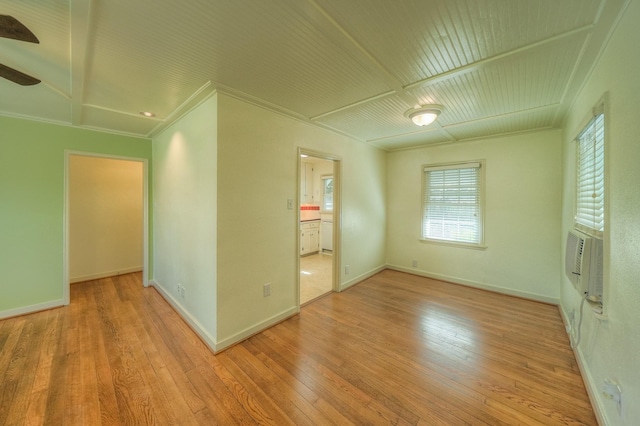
(197, 98)
(185, 315)
(65, 232)
(453, 166)
(256, 328)
(201, 331)
(353, 281)
(453, 244)
(244, 97)
(337, 216)
(105, 274)
(589, 382)
(65, 216)
(475, 284)
(31, 309)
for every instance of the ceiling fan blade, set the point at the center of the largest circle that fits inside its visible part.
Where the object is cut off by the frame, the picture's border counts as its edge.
(17, 77)
(10, 27)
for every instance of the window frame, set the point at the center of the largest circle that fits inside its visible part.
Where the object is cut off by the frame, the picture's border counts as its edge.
(597, 178)
(481, 166)
(324, 179)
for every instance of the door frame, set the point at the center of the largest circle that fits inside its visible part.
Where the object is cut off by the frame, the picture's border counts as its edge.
(337, 216)
(66, 286)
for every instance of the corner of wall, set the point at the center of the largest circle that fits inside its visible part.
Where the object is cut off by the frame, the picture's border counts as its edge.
(195, 325)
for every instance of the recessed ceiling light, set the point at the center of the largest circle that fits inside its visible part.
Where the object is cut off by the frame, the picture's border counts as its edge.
(147, 114)
(424, 115)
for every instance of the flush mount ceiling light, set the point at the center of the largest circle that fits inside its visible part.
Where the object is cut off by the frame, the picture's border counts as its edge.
(424, 115)
(147, 114)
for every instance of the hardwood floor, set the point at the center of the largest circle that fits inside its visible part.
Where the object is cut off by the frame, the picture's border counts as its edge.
(395, 349)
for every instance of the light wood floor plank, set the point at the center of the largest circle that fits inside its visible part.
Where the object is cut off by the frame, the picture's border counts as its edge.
(394, 349)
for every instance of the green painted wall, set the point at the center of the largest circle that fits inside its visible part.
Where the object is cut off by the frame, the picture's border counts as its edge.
(31, 203)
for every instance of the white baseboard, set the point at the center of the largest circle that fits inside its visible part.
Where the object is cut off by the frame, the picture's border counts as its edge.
(31, 309)
(106, 274)
(469, 283)
(257, 328)
(587, 378)
(353, 281)
(193, 323)
(217, 346)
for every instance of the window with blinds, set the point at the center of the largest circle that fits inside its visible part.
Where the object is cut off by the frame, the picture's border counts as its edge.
(590, 178)
(452, 203)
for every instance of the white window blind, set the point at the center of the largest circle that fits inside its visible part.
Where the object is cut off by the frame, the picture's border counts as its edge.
(452, 207)
(590, 180)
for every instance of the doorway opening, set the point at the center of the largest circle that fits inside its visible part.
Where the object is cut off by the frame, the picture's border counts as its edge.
(105, 218)
(318, 224)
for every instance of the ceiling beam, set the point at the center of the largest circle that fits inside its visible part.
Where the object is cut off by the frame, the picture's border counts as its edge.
(81, 20)
(484, 62)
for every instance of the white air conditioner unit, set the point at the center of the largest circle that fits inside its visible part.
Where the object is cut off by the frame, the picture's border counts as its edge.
(583, 264)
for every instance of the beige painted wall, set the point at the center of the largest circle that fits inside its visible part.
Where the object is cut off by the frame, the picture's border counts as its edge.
(611, 348)
(257, 234)
(185, 185)
(522, 215)
(222, 228)
(105, 217)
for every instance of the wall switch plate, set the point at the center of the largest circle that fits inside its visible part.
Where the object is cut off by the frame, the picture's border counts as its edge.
(289, 203)
(266, 290)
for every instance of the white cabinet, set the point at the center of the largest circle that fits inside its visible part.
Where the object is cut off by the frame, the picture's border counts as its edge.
(309, 237)
(306, 183)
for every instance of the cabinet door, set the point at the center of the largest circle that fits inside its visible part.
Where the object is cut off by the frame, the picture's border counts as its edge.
(303, 184)
(314, 241)
(304, 242)
(306, 183)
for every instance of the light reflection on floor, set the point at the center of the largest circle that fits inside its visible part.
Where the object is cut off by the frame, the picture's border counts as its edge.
(315, 276)
(447, 334)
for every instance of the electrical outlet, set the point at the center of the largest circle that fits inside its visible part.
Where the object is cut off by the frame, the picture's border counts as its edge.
(347, 269)
(266, 290)
(178, 289)
(183, 292)
(414, 263)
(289, 203)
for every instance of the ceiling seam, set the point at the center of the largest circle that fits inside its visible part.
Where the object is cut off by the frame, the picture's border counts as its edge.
(355, 104)
(474, 65)
(395, 82)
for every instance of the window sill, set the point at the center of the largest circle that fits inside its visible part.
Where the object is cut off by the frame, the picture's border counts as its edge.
(454, 244)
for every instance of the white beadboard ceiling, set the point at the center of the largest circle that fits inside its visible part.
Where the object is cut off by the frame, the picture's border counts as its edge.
(356, 66)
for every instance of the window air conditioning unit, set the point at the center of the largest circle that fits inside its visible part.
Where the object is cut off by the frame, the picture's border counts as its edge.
(583, 264)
